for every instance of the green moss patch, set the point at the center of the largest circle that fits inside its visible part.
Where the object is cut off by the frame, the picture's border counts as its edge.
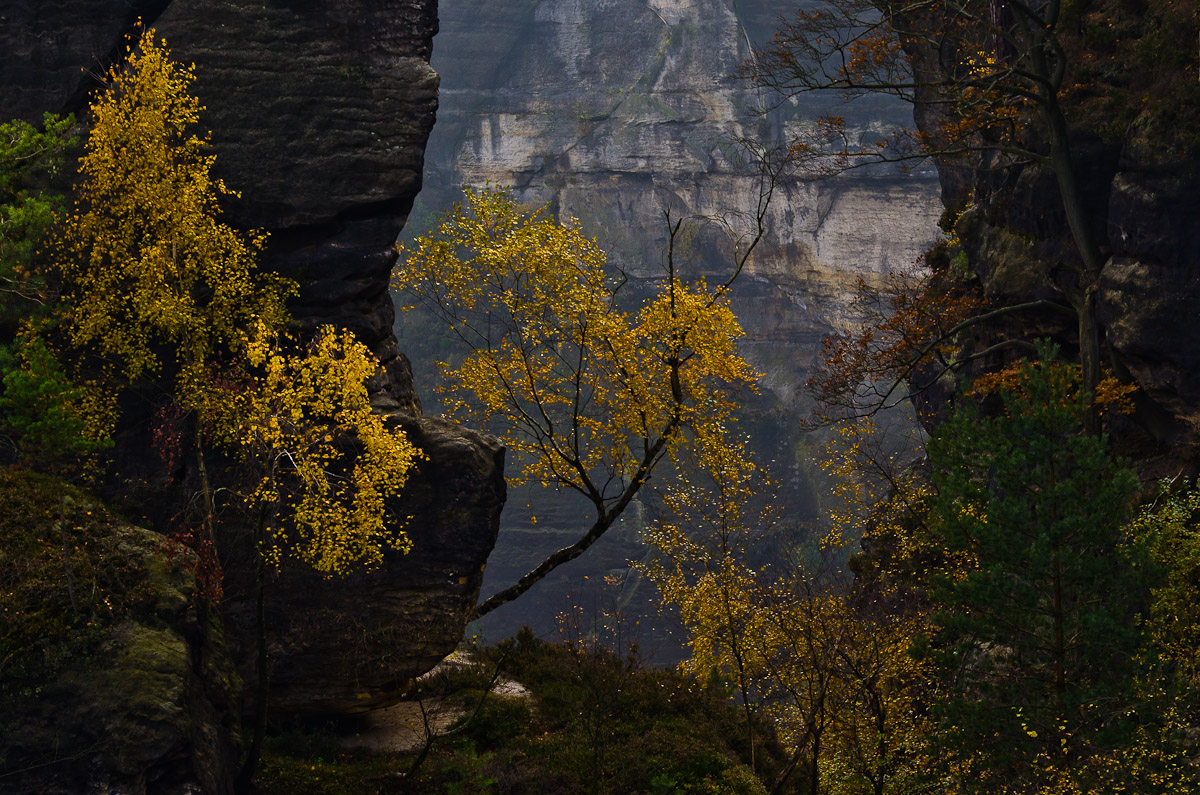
(70, 571)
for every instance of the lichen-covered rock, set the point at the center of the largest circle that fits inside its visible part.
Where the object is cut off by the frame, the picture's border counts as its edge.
(127, 689)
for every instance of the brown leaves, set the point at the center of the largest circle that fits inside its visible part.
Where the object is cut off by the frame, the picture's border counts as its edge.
(907, 325)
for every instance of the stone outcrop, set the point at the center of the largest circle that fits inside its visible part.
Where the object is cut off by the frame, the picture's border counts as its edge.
(1017, 239)
(319, 113)
(141, 697)
(615, 110)
(356, 643)
(1140, 182)
(1149, 298)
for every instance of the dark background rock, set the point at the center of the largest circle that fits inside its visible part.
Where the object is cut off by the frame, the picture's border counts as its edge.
(1141, 183)
(355, 643)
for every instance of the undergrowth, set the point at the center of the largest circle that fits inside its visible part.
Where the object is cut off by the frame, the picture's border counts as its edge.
(594, 722)
(68, 571)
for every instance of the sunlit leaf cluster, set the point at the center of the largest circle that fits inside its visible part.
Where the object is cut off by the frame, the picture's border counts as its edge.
(144, 258)
(587, 393)
(326, 464)
(157, 289)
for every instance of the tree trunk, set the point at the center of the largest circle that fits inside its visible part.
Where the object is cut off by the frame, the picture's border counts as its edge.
(245, 777)
(1082, 232)
(1089, 357)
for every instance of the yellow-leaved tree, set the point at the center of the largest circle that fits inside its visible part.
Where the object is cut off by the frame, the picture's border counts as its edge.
(147, 267)
(292, 420)
(154, 284)
(824, 661)
(157, 290)
(591, 396)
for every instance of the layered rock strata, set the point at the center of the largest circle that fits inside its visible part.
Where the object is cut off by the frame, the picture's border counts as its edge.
(613, 111)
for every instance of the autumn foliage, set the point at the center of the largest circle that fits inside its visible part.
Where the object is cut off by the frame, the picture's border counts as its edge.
(158, 294)
(592, 397)
(146, 264)
(909, 338)
(290, 421)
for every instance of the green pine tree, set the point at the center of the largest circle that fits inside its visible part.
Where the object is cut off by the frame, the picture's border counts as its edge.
(30, 160)
(1038, 630)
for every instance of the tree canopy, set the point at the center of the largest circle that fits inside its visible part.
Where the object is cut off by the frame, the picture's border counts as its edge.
(591, 396)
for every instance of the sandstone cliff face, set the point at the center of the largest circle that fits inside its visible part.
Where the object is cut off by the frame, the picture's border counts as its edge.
(1149, 293)
(319, 114)
(614, 110)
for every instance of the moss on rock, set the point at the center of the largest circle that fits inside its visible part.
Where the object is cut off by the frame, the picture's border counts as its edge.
(112, 678)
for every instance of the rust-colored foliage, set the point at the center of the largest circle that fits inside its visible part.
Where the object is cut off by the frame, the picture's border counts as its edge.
(1110, 395)
(983, 71)
(909, 326)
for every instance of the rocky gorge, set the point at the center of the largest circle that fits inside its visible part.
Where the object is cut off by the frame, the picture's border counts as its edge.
(610, 111)
(613, 112)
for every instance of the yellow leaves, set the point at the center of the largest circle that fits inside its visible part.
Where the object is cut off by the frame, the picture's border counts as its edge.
(325, 459)
(572, 382)
(1112, 395)
(145, 259)
(150, 270)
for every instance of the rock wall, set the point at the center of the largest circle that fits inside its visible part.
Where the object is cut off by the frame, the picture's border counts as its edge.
(614, 110)
(319, 113)
(1136, 157)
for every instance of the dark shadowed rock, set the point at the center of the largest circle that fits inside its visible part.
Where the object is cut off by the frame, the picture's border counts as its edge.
(1149, 295)
(51, 51)
(136, 693)
(319, 113)
(1138, 187)
(355, 643)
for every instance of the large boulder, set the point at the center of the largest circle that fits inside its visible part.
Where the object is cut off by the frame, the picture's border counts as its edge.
(356, 642)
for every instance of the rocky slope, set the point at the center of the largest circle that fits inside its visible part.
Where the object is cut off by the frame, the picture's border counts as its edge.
(319, 114)
(614, 110)
(111, 679)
